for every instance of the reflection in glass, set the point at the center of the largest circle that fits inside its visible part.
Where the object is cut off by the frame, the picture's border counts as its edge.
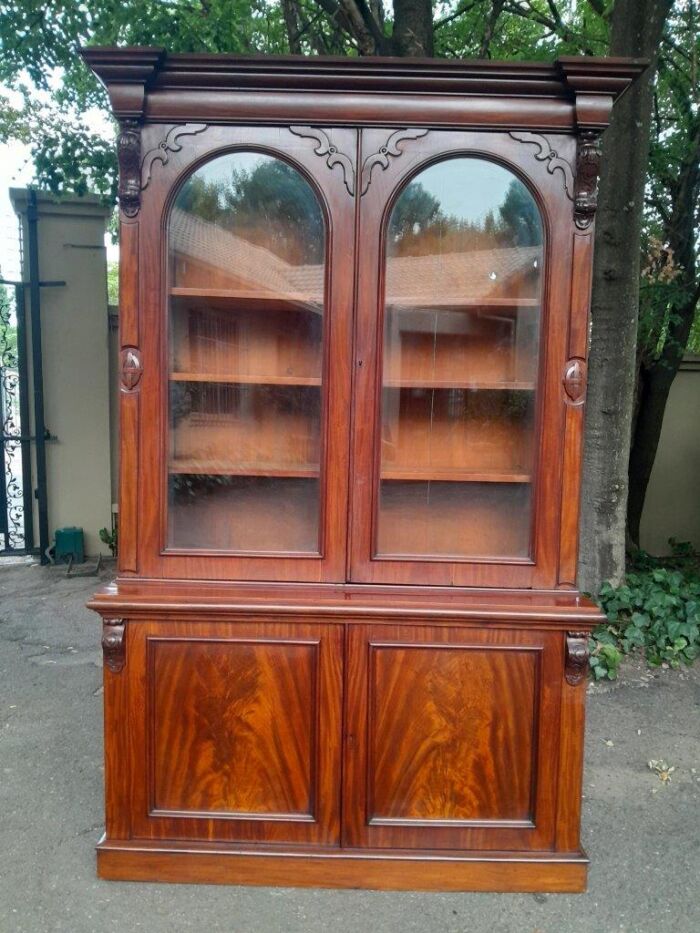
(246, 258)
(460, 363)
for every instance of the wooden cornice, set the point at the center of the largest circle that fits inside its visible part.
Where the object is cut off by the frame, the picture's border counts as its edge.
(163, 87)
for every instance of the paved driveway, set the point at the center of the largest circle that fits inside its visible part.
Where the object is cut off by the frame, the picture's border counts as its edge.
(643, 837)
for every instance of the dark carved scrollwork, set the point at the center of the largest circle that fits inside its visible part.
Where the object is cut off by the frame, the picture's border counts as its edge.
(333, 155)
(576, 663)
(575, 381)
(549, 155)
(587, 171)
(582, 185)
(129, 158)
(114, 644)
(390, 148)
(171, 143)
(131, 368)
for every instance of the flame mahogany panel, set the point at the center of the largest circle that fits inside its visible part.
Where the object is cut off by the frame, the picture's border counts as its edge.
(450, 738)
(238, 731)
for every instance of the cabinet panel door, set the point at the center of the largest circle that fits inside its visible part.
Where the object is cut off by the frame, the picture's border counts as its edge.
(235, 731)
(452, 738)
(458, 401)
(245, 271)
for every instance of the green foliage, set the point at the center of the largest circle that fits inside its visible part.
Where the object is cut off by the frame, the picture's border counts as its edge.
(110, 539)
(113, 283)
(656, 610)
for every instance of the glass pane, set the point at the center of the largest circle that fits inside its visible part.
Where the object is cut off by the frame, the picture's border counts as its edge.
(460, 362)
(247, 246)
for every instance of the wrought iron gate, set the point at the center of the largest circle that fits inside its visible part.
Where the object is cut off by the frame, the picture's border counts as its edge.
(23, 499)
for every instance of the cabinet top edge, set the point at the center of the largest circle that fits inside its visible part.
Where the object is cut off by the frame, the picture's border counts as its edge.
(346, 601)
(156, 69)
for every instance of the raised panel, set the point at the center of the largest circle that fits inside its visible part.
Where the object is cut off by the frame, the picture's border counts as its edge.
(235, 730)
(451, 737)
(453, 733)
(233, 727)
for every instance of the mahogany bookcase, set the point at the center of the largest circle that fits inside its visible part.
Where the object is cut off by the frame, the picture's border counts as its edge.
(345, 645)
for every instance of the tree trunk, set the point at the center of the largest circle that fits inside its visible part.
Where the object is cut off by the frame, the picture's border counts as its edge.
(637, 27)
(413, 27)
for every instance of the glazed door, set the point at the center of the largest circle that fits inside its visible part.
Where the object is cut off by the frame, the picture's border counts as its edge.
(451, 738)
(226, 733)
(245, 249)
(460, 346)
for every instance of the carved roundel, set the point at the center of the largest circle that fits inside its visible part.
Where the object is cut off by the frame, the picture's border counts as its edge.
(575, 381)
(131, 368)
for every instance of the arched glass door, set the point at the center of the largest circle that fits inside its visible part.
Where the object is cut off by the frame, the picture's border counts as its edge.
(462, 298)
(247, 256)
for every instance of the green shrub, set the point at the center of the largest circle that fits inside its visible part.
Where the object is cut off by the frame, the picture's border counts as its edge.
(657, 609)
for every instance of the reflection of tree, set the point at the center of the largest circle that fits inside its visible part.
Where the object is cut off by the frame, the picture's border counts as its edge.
(420, 226)
(270, 205)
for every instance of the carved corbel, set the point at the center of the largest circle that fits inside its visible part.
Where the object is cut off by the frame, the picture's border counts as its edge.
(129, 158)
(114, 644)
(576, 661)
(587, 172)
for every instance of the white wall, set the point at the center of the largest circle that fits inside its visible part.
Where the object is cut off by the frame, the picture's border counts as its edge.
(74, 338)
(672, 507)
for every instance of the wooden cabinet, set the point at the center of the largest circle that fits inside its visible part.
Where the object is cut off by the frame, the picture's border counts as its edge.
(345, 645)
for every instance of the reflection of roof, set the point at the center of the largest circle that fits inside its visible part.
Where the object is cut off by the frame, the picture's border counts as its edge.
(449, 277)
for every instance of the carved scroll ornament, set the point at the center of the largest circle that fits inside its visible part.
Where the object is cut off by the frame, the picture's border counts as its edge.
(576, 663)
(135, 173)
(326, 148)
(114, 644)
(549, 155)
(581, 185)
(171, 143)
(334, 157)
(390, 148)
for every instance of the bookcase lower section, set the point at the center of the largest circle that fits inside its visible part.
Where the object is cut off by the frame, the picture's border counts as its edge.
(378, 744)
(368, 869)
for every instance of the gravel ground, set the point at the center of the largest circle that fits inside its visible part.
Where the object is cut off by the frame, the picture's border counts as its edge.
(642, 835)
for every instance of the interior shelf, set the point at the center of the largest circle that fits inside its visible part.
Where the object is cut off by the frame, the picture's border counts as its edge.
(217, 468)
(260, 300)
(482, 304)
(246, 379)
(500, 385)
(454, 475)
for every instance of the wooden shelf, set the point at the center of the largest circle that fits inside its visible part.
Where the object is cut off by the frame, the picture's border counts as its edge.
(483, 304)
(454, 476)
(503, 385)
(245, 379)
(255, 298)
(217, 468)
